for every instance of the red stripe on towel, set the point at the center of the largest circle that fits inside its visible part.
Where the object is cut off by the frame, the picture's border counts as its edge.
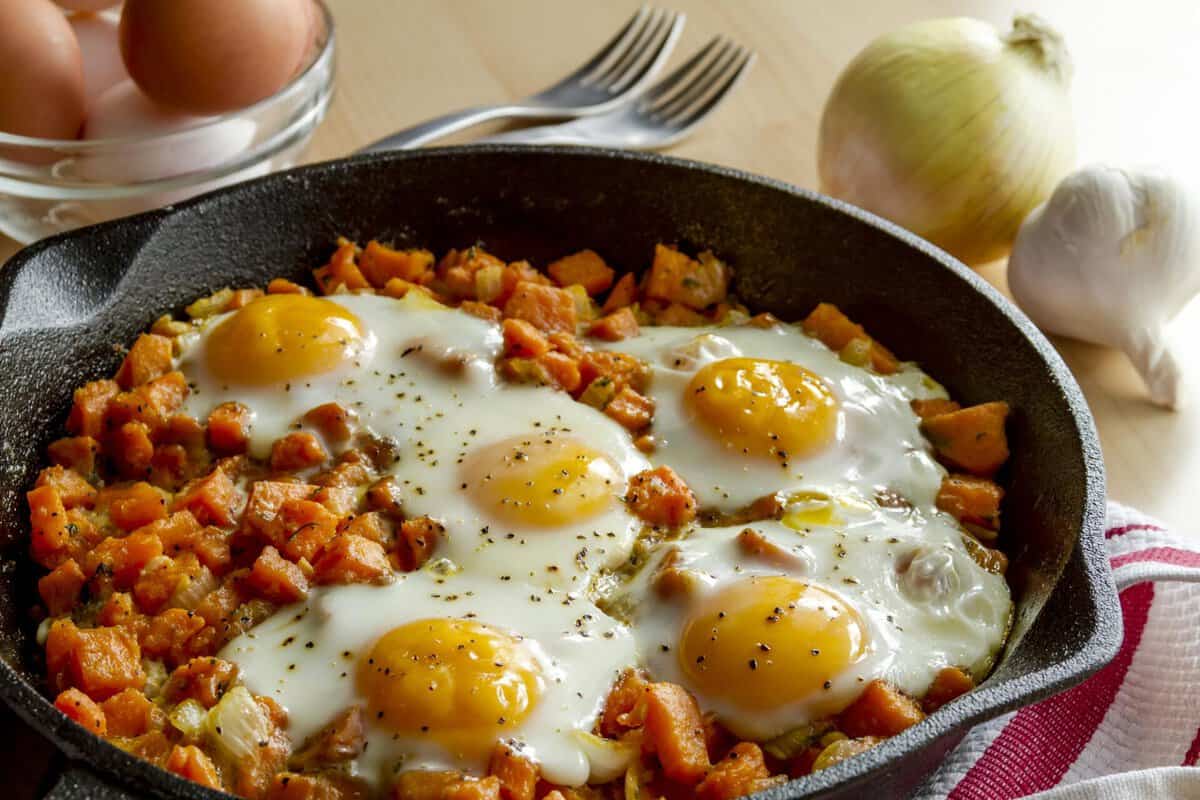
(1193, 752)
(1159, 555)
(1120, 530)
(1040, 744)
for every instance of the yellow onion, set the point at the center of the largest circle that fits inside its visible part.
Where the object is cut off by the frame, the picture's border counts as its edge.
(953, 130)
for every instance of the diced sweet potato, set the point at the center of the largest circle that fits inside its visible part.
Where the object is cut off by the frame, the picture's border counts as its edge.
(341, 271)
(333, 421)
(176, 532)
(72, 488)
(123, 558)
(284, 286)
(262, 516)
(131, 449)
(77, 453)
(621, 368)
(949, 683)
(836, 331)
(380, 263)
(585, 268)
(430, 785)
(192, 763)
(332, 786)
(523, 340)
(373, 525)
(418, 539)
(679, 315)
(153, 403)
(351, 559)
(620, 324)
(342, 739)
(204, 680)
(549, 309)
(971, 500)
(149, 357)
(619, 706)
(213, 499)
(240, 298)
(83, 710)
(881, 710)
(933, 406)
(296, 451)
(481, 310)
(525, 370)
(117, 610)
(971, 439)
(741, 772)
(674, 731)
(90, 407)
(60, 588)
(633, 410)
(567, 344)
(562, 370)
(49, 525)
(399, 289)
(275, 579)
(384, 495)
(518, 775)
(660, 497)
(129, 713)
(180, 581)
(623, 294)
(133, 505)
(676, 278)
(98, 661)
(229, 428)
(308, 527)
(165, 636)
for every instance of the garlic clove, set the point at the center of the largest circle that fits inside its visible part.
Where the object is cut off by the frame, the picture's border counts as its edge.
(1153, 360)
(1111, 258)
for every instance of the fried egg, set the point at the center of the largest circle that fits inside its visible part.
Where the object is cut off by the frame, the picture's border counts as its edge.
(443, 668)
(774, 625)
(742, 412)
(527, 482)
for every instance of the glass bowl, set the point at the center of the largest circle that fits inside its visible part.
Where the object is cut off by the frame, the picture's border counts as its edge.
(48, 186)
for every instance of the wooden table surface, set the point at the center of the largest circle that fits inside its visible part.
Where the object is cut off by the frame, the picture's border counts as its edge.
(401, 62)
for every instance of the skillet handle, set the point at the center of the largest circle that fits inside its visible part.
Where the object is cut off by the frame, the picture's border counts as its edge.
(79, 783)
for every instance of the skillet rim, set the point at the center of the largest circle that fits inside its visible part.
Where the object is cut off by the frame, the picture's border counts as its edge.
(985, 702)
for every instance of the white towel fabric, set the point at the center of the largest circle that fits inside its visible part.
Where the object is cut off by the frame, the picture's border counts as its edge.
(1130, 731)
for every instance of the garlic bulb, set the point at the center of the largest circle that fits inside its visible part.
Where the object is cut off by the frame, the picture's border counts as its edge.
(1112, 257)
(952, 130)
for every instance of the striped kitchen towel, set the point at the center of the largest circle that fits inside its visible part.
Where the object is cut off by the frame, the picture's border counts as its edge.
(1133, 729)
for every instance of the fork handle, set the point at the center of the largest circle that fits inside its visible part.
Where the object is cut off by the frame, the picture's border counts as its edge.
(447, 124)
(548, 134)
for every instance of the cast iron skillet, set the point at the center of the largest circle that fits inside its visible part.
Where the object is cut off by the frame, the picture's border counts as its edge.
(66, 302)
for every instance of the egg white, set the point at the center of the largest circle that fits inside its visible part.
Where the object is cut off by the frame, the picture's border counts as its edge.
(297, 658)
(925, 602)
(426, 379)
(877, 443)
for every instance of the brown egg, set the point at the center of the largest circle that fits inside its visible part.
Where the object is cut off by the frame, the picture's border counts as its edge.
(208, 56)
(41, 77)
(87, 5)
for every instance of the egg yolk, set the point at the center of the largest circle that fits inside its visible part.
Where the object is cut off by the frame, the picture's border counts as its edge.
(457, 681)
(767, 641)
(764, 408)
(541, 482)
(283, 337)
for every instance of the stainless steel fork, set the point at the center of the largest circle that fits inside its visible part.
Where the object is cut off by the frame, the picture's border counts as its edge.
(665, 114)
(614, 75)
